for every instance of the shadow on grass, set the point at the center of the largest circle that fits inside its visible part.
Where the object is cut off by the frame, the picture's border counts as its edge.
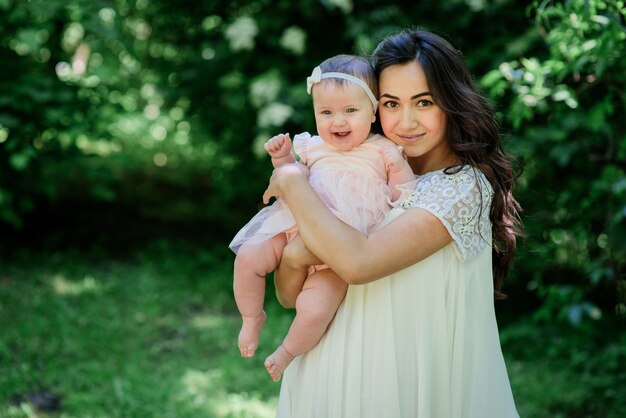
(153, 335)
(152, 332)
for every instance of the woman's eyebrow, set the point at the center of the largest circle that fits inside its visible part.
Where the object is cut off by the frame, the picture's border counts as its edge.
(417, 96)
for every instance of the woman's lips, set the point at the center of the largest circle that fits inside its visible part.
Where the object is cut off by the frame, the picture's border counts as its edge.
(410, 138)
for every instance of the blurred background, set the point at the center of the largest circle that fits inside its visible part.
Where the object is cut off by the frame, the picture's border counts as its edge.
(131, 139)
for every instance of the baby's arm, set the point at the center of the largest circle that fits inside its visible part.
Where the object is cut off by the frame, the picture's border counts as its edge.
(279, 148)
(398, 169)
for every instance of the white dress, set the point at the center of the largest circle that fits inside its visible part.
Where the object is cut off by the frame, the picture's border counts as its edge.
(422, 343)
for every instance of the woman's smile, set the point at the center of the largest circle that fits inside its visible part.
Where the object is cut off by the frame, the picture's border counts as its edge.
(410, 138)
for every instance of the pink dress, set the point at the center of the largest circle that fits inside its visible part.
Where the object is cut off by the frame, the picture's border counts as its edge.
(353, 184)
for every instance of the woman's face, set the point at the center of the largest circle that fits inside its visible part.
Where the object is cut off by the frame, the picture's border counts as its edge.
(410, 117)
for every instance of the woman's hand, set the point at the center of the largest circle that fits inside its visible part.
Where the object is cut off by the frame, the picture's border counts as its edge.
(281, 178)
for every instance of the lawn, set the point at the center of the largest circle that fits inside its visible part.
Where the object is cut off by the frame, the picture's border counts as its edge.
(152, 333)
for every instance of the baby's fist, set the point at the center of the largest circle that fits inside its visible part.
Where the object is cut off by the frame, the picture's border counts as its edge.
(278, 146)
(393, 157)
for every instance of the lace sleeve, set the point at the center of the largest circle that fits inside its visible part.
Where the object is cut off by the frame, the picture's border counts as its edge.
(462, 202)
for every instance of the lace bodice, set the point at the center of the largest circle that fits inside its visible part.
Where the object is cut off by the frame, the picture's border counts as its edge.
(461, 201)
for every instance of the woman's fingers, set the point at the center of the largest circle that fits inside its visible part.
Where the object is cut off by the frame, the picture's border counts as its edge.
(274, 188)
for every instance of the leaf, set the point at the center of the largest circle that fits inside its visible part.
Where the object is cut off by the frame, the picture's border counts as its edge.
(19, 161)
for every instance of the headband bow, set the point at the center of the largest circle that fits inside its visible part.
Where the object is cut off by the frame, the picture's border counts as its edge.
(317, 76)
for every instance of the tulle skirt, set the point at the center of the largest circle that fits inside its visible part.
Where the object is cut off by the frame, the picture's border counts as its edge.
(361, 201)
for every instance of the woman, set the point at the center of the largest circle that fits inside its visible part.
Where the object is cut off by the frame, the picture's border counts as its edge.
(418, 337)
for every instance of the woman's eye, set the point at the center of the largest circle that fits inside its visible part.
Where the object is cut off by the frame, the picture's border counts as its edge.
(424, 103)
(390, 104)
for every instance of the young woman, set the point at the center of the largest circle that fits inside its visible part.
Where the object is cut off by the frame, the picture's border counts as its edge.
(418, 337)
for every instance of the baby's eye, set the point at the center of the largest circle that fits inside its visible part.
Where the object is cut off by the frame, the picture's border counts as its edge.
(326, 112)
(351, 110)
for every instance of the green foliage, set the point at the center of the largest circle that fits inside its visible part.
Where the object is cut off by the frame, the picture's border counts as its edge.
(559, 371)
(155, 111)
(114, 101)
(563, 100)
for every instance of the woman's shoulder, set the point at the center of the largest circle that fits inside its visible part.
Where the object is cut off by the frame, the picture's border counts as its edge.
(460, 197)
(451, 182)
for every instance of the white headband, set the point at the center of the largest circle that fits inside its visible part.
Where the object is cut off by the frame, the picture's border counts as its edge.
(317, 76)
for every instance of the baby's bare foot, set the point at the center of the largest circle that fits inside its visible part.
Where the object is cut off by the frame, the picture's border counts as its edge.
(277, 362)
(249, 334)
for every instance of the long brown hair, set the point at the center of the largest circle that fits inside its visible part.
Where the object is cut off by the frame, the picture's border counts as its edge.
(472, 129)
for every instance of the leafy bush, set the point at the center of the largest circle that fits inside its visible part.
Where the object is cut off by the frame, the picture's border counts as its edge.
(563, 101)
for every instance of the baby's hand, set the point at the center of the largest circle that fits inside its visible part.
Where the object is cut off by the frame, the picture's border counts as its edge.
(393, 157)
(278, 146)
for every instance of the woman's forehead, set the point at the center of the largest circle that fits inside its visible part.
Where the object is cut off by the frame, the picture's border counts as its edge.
(403, 80)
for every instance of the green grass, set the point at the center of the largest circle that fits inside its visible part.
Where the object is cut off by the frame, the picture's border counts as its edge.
(561, 371)
(153, 333)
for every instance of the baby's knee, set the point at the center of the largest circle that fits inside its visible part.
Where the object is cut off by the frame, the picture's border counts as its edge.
(245, 257)
(284, 299)
(293, 255)
(255, 258)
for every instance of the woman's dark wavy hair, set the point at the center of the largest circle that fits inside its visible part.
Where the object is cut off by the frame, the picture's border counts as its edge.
(472, 129)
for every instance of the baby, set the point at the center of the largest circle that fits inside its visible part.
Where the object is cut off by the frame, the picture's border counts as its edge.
(355, 174)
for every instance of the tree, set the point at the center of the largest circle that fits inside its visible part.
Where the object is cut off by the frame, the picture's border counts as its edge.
(563, 103)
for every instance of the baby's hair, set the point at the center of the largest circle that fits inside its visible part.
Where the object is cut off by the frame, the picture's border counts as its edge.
(353, 65)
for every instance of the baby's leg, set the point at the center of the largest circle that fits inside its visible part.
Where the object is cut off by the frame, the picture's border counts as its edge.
(252, 263)
(316, 305)
(293, 271)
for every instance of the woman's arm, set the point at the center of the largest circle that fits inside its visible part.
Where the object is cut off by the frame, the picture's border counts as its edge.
(355, 257)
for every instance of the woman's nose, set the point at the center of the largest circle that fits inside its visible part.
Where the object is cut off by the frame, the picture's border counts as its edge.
(409, 120)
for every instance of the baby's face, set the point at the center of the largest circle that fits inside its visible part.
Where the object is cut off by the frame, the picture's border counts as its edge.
(343, 113)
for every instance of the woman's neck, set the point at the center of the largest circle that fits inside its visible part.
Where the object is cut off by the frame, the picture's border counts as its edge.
(423, 164)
